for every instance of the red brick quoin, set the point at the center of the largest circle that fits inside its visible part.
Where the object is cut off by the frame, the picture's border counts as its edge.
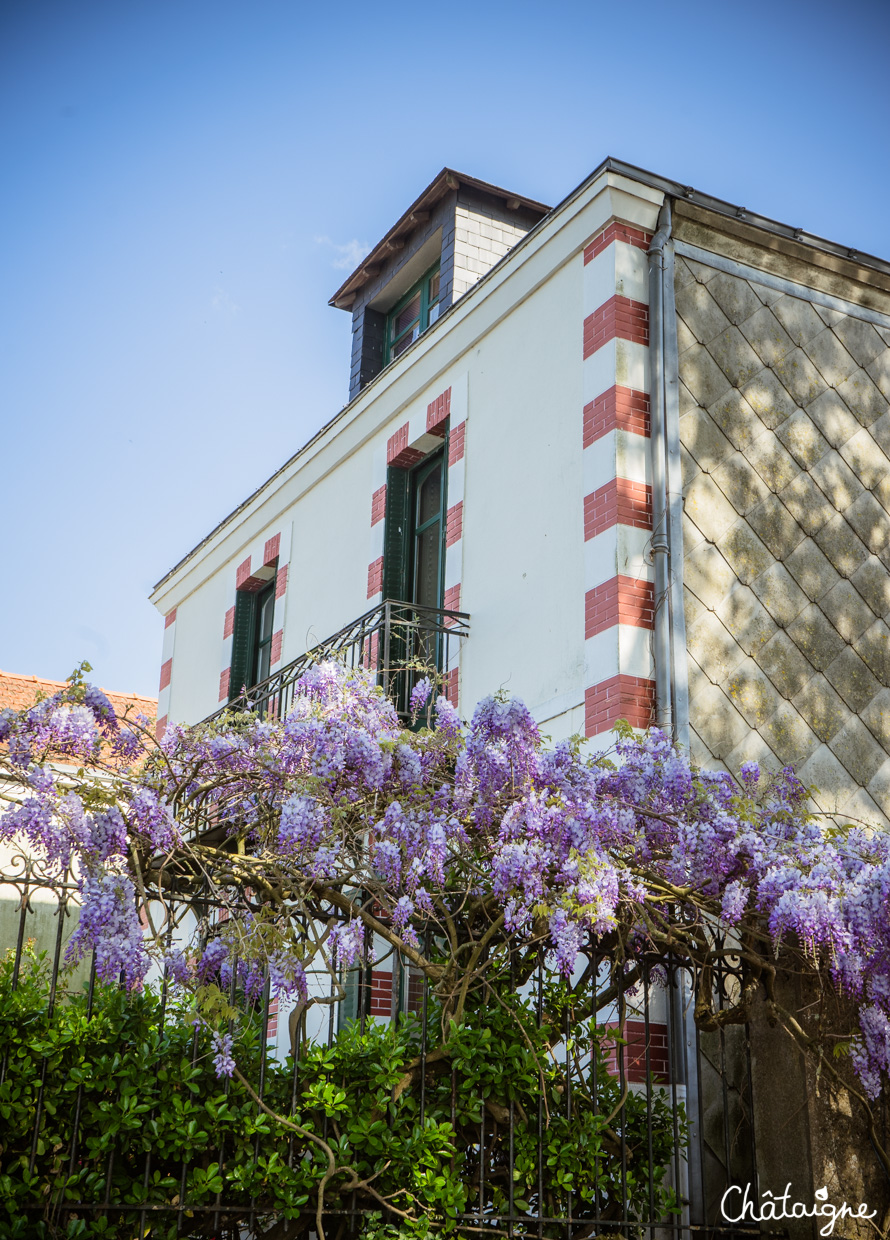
(621, 697)
(437, 412)
(378, 505)
(618, 502)
(375, 576)
(454, 523)
(166, 673)
(618, 409)
(622, 600)
(456, 442)
(397, 451)
(170, 618)
(616, 231)
(619, 317)
(633, 1052)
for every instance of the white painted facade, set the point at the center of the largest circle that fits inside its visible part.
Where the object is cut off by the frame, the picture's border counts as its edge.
(511, 353)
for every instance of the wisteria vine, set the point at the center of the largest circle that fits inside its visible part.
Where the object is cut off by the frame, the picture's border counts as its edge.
(336, 827)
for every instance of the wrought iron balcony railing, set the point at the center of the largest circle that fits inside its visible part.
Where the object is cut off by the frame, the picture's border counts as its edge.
(399, 641)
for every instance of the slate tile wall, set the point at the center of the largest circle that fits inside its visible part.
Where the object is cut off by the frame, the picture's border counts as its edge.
(785, 431)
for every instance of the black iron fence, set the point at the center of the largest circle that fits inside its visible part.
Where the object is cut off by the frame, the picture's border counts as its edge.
(625, 1123)
(400, 642)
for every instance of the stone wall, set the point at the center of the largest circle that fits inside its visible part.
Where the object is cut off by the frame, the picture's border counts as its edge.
(785, 432)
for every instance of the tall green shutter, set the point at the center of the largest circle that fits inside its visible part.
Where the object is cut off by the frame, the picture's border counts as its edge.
(395, 537)
(242, 642)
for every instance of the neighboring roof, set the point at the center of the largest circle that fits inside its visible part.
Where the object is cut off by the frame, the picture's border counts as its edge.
(20, 692)
(674, 189)
(417, 213)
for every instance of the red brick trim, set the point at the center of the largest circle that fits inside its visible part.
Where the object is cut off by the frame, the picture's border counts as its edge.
(160, 728)
(437, 411)
(456, 442)
(619, 317)
(633, 1052)
(242, 573)
(454, 523)
(451, 599)
(375, 577)
(281, 581)
(619, 502)
(616, 231)
(170, 618)
(397, 451)
(381, 993)
(621, 697)
(378, 505)
(450, 686)
(618, 409)
(272, 1020)
(372, 646)
(224, 681)
(622, 600)
(229, 623)
(275, 648)
(270, 555)
(166, 674)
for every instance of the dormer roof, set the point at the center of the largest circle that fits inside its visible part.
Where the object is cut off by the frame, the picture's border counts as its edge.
(418, 213)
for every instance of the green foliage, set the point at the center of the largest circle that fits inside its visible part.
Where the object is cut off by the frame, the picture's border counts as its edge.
(155, 1127)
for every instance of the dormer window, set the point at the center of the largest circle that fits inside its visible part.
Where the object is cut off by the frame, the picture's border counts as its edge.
(413, 314)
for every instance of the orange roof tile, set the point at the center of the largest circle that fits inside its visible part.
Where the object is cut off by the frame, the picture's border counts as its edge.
(20, 692)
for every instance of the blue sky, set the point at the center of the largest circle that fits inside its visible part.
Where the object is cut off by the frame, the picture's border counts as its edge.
(186, 183)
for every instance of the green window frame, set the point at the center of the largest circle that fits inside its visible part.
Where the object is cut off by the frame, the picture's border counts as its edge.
(413, 314)
(252, 638)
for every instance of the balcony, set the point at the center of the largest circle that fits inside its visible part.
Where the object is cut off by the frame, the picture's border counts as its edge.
(400, 642)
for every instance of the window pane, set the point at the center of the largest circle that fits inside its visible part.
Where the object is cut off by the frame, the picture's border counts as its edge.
(426, 578)
(267, 609)
(434, 287)
(429, 501)
(401, 345)
(406, 316)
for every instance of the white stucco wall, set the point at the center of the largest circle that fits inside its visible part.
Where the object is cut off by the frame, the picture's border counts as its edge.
(513, 344)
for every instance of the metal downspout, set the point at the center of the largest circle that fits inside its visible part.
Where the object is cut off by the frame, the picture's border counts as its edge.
(658, 441)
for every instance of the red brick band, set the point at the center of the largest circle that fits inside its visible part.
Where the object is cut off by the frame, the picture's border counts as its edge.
(166, 674)
(437, 412)
(619, 317)
(618, 409)
(378, 505)
(224, 681)
(456, 442)
(622, 600)
(170, 618)
(160, 728)
(616, 231)
(229, 623)
(275, 649)
(281, 581)
(618, 502)
(621, 697)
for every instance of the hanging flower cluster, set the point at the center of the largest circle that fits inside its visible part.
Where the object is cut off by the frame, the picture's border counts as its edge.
(335, 825)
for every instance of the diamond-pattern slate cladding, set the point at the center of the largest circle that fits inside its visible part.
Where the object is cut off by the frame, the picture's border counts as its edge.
(785, 429)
